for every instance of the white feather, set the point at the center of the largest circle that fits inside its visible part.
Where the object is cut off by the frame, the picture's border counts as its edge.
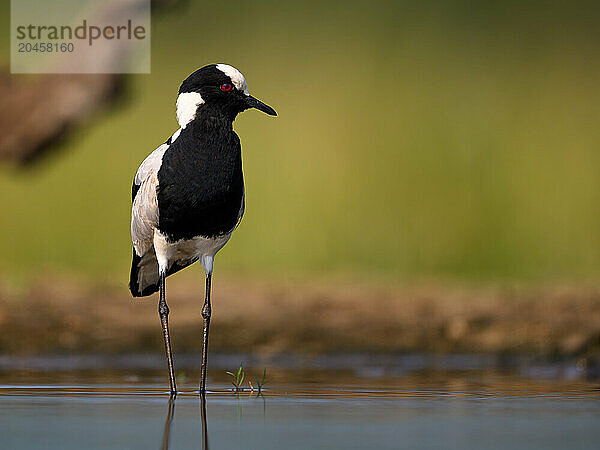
(144, 214)
(236, 76)
(152, 163)
(184, 250)
(144, 211)
(187, 105)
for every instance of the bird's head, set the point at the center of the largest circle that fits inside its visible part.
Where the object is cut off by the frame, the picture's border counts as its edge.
(219, 88)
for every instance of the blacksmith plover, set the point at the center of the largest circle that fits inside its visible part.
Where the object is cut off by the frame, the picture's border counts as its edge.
(188, 194)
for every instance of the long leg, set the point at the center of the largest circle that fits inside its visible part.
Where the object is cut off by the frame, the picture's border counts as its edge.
(163, 312)
(206, 310)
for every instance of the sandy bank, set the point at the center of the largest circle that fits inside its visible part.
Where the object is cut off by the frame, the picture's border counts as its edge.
(266, 318)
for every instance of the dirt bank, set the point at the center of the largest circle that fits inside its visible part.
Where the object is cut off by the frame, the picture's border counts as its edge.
(266, 318)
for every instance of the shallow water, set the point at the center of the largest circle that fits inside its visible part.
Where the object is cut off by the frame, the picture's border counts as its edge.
(299, 409)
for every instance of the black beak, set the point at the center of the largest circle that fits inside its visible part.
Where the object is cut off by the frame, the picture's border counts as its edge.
(255, 103)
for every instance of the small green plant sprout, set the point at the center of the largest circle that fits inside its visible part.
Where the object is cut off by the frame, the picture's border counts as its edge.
(259, 383)
(238, 378)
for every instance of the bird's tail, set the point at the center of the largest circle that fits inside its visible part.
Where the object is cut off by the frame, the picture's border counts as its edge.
(143, 279)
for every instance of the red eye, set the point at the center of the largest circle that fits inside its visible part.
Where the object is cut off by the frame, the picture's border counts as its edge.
(226, 87)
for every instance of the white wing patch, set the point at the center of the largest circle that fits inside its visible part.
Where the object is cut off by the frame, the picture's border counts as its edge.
(153, 161)
(150, 164)
(144, 215)
(144, 212)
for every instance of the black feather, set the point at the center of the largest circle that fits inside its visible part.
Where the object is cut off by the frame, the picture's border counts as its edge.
(134, 190)
(201, 184)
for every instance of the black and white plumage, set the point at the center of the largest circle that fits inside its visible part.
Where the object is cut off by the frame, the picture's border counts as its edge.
(188, 194)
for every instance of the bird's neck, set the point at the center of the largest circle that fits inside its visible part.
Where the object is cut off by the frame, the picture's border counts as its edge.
(212, 120)
(211, 137)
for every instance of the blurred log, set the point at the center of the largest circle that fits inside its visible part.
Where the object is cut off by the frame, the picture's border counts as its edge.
(35, 112)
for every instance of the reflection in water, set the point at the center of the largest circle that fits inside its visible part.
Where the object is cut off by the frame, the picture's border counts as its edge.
(203, 418)
(168, 421)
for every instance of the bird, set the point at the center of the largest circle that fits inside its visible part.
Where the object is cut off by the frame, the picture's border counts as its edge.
(188, 195)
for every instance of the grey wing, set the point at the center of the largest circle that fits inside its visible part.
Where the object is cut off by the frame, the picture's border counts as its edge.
(144, 212)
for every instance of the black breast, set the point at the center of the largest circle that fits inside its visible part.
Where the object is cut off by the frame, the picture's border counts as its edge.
(201, 183)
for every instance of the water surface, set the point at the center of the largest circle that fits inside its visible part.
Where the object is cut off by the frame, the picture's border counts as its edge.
(299, 409)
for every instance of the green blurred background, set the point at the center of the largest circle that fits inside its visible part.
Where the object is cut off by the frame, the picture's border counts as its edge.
(415, 140)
